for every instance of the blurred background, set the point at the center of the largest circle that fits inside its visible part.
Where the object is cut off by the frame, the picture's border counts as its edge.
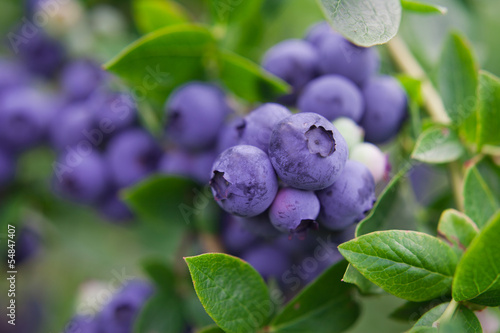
(66, 251)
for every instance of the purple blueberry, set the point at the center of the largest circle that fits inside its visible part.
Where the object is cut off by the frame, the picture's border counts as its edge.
(114, 111)
(339, 56)
(307, 151)
(114, 209)
(24, 118)
(41, 54)
(235, 236)
(243, 181)
(385, 109)
(268, 260)
(295, 61)
(75, 125)
(196, 166)
(82, 179)
(27, 244)
(195, 115)
(132, 155)
(349, 199)
(294, 211)
(81, 324)
(119, 315)
(332, 96)
(318, 32)
(7, 167)
(230, 134)
(80, 78)
(12, 75)
(255, 129)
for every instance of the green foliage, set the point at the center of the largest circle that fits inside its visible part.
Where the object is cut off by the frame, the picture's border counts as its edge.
(457, 229)
(438, 145)
(211, 329)
(157, 63)
(458, 81)
(248, 80)
(476, 278)
(479, 201)
(462, 320)
(364, 22)
(231, 291)
(160, 273)
(423, 7)
(410, 265)
(326, 306)
(365, 286)
(160, 314)
(412, 311)
(488, 110)
(151, 15)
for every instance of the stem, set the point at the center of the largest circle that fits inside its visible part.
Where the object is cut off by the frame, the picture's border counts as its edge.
(409, 65)
(211, 243)
(447, 314)
(432, 101)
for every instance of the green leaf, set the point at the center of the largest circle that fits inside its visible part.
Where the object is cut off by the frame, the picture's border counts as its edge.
(364, 22)
(151, 15)
(457, 229)
(248, 80)
(230, 11)
(231, 291)
(488, 110)
(160, 273)
(377, 218)
(478, 273)
(157, 63)
(160, 314)
(326, 304)
(412, 311)
(462, 321)
(408, 264)
(457, 82)
(160, 203)
(365, 286)
(438, 145)
(422, 7)
(211, 329)
(479, 202)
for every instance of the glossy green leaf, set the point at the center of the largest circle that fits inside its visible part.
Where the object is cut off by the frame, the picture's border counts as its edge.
(231, 11)
(151, 15)
(438, 145)
(488, 110)
(365, 286)
(462, 321)
(377, 219)
(457, 81)
(160, 314)
(478, 272)
(423, 7)
(365, 22)
(408, 264)
(327, 305)
(231, 291)
(479, 201)
(159, 62)
(248, 80)
(457, 229)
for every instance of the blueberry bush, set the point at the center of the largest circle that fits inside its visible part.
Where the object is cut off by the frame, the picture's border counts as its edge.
(250, 166)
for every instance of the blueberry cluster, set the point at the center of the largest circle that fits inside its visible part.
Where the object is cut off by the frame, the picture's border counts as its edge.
(332, 77)
(118, 315)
